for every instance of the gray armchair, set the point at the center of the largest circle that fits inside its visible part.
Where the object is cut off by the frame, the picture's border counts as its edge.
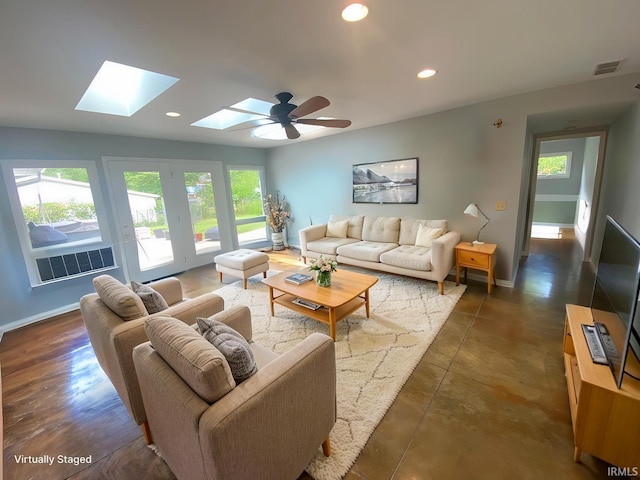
(114, 330)
(207, 427)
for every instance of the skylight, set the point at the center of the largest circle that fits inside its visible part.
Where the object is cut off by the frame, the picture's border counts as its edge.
(119, 89)
(228, 117)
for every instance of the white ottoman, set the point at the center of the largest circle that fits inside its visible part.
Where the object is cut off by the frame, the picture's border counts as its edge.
(243, 263)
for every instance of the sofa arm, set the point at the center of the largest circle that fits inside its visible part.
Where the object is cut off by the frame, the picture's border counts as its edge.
(309, 234)
(442, 254)
(170, 289)
(275, 420)
(203, 306)
(237, 317)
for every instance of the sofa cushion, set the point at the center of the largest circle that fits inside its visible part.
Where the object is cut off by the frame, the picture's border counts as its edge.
(119, 298)
(153, 301)
(408, 256)
(355, 224)
(232, 345)
(195, 360)
(426, 235)
(367, 251)
(381, 229)
(328, 245)
(337, 229)
(409, 229)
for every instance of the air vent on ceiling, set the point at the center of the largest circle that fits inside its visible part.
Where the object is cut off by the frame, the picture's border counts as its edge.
(608, 67)
(73, 264)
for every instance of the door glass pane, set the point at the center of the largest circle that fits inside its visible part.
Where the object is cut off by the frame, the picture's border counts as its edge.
(246, 192)
(202, 208)
(146, 202)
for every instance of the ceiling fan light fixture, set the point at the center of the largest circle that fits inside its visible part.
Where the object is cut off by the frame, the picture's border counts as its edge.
(427, 73)
(274, 131)
(355, 12)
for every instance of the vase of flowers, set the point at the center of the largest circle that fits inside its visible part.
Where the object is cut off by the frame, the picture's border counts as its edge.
(276, 210)
(323, 267)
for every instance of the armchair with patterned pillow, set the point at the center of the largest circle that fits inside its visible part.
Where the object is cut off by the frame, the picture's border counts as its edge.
(223, 406)
(114, 317)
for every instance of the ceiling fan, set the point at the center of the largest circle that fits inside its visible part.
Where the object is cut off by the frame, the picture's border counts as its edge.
(287, 114)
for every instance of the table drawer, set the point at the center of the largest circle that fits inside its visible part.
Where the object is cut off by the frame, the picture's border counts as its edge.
(473, 259)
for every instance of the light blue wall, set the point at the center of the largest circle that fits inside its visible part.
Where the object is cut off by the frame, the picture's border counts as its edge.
(563, 186)
(621, 179)
(463, 159)
(18, 300)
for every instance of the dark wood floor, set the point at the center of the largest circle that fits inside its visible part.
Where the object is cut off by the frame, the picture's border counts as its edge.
(488, 400)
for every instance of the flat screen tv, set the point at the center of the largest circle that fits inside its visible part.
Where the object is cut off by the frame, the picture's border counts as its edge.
(614, 302)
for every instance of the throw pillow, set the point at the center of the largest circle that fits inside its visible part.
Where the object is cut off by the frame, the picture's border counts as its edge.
(118, 298)
(427, 235)
(195, 360)
(153, 301)
(232, 345)
(337, 229)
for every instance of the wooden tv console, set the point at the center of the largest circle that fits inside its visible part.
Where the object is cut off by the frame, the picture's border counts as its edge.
(605, 419)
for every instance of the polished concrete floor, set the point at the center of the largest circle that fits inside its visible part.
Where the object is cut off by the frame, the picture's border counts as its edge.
(487, 401)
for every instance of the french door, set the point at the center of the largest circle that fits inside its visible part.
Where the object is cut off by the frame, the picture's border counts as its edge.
(169, 214)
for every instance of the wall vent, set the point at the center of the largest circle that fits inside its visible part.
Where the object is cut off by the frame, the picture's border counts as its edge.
(608, 67)
(73, 264)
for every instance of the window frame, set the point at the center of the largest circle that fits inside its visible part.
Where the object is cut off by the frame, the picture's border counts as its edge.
(257, 219)
(555, 154)
(29, 253)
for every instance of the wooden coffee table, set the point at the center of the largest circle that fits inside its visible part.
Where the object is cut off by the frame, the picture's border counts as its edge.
(347, 293)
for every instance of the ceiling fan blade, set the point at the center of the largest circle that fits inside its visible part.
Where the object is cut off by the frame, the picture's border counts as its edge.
(335, 123)
(292, 133)
(312, 105)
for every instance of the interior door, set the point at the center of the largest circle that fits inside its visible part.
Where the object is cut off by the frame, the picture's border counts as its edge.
(166, 211)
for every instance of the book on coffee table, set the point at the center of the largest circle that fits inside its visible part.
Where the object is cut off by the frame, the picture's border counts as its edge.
(306, 304)
(298, 278)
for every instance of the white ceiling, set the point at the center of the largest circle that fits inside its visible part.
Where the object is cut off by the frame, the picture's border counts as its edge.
(226, 51)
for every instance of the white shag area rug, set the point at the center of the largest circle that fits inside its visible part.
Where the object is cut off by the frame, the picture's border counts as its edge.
(374, 356)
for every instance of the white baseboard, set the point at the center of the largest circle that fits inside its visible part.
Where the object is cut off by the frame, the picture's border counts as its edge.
(483, 279)
(23, 322)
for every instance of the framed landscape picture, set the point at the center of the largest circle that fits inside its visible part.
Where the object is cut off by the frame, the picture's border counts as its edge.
(393, 181)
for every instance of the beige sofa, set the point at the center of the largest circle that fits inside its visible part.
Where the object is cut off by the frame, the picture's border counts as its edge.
(206, 426)
(115, 331)
(406, 246)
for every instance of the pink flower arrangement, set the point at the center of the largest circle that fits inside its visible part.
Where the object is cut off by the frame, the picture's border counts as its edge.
(324, 265)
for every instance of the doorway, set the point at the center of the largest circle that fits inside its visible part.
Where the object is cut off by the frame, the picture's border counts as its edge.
(168, 214)
(564, 188)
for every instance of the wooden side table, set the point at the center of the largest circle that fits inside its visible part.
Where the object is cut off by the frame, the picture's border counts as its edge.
(478, 257)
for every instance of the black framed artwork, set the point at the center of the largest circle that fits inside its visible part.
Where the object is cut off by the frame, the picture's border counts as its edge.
(392, 181)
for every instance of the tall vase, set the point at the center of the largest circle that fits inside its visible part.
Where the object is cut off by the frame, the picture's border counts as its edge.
(323, 279)
(278, 241)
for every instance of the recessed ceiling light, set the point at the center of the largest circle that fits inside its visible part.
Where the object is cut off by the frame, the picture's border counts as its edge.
(427, 72)
(355, 12)
(172, 114)
(119, 89)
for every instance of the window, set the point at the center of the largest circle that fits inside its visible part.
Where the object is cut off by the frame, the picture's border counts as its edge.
(554, 165)
(246, 192)
(57, 217)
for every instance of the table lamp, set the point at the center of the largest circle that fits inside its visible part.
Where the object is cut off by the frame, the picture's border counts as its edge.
(473, 210)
